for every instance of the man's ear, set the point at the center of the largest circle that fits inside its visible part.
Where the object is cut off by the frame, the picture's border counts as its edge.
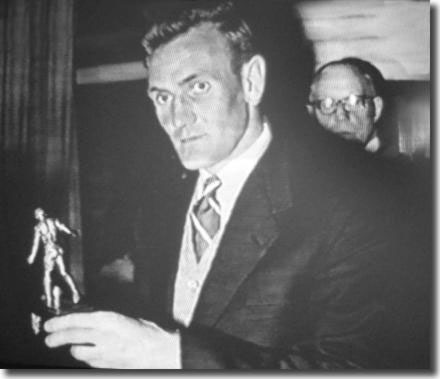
(310, 109)
(378, 107)
(253, 77)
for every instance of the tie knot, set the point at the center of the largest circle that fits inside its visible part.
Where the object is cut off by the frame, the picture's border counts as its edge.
(211, 185)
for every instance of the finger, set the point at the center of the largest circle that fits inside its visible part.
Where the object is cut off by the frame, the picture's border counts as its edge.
(73, 336)
(86, 354)
(94, 357)
(102, 363)
(106, 363)
(93, 320)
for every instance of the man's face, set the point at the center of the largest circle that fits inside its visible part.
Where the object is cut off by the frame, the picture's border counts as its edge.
(198, 99)
(339, 82)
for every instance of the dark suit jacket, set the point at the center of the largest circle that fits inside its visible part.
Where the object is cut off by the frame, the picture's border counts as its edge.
(300, 278)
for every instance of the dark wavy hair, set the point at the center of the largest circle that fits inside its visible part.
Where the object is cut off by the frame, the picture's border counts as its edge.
(171, 19)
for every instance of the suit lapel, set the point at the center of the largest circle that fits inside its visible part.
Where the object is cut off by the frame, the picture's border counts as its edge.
(252, 228)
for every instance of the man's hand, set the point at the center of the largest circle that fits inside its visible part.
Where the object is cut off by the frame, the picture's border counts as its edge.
(111, 340)
(30, 259)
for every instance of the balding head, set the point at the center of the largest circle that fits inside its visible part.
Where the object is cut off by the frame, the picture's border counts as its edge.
(339, 79)
(344, 100)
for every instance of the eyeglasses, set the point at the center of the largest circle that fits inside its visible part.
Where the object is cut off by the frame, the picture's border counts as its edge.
(350, 103)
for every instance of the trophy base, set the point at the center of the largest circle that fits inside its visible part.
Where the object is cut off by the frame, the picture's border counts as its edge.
(59, 357)
(43, 313)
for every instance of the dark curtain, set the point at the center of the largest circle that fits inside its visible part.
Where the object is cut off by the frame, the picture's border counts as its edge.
(39, 158)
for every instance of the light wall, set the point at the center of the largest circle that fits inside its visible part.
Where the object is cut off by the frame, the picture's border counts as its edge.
(394, 35)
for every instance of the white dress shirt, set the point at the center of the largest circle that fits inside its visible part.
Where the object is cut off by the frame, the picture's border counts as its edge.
(373, 144)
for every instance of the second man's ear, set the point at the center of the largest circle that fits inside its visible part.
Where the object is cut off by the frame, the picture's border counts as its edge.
(378, 107)
(253, 76)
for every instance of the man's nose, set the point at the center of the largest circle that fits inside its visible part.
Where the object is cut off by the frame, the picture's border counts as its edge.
(182, 113)
(341, 112)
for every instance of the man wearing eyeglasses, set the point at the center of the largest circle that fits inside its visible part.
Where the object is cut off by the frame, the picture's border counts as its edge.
(346, 99)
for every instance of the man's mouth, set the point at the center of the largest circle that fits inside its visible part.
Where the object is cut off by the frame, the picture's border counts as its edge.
(191, 139)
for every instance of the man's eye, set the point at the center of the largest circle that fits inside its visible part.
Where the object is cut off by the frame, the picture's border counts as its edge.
(198, 88)
(162, 98)
(354, 100)
(327, 103)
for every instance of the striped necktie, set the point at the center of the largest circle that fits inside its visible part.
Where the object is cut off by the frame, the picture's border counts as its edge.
(205, 217)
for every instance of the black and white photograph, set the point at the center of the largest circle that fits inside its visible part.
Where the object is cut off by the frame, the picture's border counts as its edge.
(236, 185)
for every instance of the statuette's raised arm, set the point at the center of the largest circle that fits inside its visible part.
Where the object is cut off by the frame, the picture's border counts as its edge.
(65, 229)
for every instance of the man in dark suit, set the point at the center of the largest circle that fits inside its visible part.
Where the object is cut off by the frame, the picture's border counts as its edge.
(272, 257)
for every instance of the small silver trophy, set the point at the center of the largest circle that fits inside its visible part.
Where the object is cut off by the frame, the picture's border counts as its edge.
(46, 231)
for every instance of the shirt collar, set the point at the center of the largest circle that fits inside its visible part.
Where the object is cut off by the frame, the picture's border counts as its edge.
(234, 174)
(373, 145)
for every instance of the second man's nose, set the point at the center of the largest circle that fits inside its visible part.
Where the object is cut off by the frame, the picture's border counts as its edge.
(341, 112)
